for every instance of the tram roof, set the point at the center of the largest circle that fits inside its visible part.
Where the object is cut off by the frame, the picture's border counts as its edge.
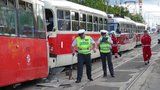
(120, 20)
(35, 1)
(140, 24)
(72, 6)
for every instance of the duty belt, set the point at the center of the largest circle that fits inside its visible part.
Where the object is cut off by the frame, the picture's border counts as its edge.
(84, 49)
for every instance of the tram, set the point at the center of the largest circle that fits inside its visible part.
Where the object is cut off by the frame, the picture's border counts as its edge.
(139, 32)
(27, 26)
(63, 20)
(22, 40)
(124, 31)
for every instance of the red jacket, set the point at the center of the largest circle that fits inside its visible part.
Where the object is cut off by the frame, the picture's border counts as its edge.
(146, 40)
(115, 44)
(114, 39)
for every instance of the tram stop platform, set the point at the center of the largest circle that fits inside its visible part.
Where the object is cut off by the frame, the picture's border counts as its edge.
(130, 74)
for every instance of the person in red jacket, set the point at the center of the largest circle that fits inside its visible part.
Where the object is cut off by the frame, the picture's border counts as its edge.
(115, 45)
(146, 47)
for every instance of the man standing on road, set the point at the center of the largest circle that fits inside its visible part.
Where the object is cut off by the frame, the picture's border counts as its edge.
(84, 45)
(146, 46)
(104, 44)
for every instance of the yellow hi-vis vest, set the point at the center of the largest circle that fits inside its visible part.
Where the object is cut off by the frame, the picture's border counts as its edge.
(84, 45)
(105, 47)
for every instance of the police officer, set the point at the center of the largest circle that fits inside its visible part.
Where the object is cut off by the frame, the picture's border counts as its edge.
(104, 44)
(84, 45)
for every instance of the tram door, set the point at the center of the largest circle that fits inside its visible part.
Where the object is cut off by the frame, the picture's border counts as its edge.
(49, 20)
(51, 34)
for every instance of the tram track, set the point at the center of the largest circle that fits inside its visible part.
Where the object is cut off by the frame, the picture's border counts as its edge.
(98, 73)
(137, 77)
(129, 57)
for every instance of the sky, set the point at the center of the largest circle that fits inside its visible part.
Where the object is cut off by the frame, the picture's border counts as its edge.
(150, 10)
(144, 1)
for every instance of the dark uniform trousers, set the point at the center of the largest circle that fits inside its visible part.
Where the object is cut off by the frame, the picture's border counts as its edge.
(84, 58)
(107, 56)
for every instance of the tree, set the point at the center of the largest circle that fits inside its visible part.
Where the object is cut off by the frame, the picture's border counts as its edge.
(121, 12)
(137, 18)
(97, 4)
(116, 10)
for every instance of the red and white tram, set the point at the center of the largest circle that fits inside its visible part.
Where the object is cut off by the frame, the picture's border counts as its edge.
(23, 44)
(64, 18)
(139, 32)
(125, 32)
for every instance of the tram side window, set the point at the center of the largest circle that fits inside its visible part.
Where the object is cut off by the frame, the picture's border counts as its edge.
(7, 17)
(105, 24)
(26, 19)
(89, 23)
(67, 20)
(118, 31)
(64, 22)
(75, 21)
(100, 23)
(95, 23)
(49, 19)
(82, 21)
(137, 29)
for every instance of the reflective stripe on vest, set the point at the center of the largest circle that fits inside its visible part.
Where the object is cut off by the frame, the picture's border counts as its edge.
(105, 47)
(84, 45)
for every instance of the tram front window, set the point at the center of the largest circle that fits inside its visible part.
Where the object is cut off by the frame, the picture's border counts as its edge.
(26, 19)
(7, 17)
(40, 31)
(112, 27)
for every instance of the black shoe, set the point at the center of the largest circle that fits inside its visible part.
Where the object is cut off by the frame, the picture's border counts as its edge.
(112, 76)
(78, 81)
(146, 63)
(120, 54)
(104, 75)
(90, 79)
(116, 57)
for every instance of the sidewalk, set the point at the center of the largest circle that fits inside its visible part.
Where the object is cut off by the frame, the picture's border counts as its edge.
(133, 75)
(151, 78)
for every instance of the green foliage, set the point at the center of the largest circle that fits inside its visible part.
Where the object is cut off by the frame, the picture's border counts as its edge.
(118, 11)
(137, 18)
(97, 4)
